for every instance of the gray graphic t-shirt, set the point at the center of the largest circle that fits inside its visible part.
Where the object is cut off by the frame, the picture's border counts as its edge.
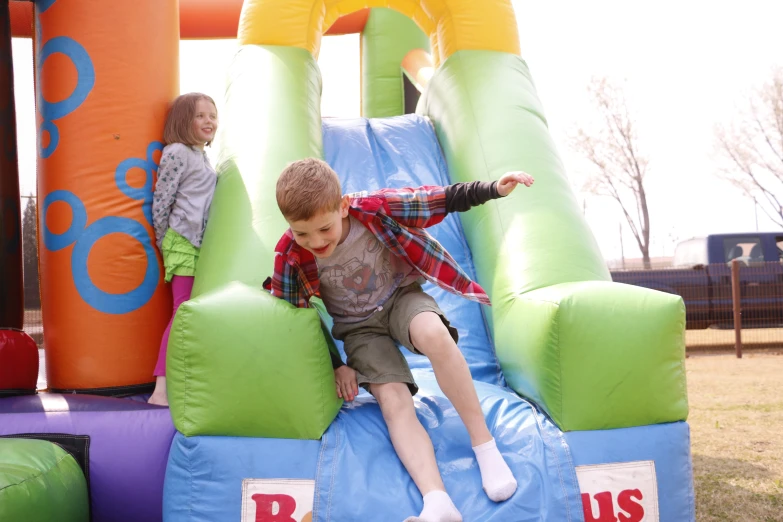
(360, 275)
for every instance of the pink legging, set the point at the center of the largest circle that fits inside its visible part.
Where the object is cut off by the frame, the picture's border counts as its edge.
(181, 287)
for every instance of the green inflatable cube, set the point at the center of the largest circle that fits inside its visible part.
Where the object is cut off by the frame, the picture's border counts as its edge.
(243, 363)
(597, 355)
(40, 482)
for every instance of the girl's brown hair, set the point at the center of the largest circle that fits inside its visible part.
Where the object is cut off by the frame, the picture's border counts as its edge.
(178, 128)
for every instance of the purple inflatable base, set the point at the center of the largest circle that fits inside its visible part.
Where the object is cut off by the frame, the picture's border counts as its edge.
(129, 447)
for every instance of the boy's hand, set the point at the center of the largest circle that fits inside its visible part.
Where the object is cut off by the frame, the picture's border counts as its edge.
(510, 180)
(345, 379)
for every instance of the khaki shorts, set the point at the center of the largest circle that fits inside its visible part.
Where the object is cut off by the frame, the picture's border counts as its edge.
(370, 345)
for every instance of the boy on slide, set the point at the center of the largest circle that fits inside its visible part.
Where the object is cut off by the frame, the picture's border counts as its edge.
(365, 255)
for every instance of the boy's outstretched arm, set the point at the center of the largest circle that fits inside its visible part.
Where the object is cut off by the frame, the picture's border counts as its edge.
(461, 197)
(427, 206)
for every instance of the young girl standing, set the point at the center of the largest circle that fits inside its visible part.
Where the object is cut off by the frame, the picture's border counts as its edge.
(183, 194)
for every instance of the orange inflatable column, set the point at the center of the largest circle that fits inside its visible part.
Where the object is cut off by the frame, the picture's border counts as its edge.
(106, 72)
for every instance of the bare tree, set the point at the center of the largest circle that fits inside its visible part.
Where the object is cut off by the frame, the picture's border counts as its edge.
(619, 167)
(752, 148)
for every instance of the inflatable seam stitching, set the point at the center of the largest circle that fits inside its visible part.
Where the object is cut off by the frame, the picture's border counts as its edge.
(571, 467)
(181, 329)
(42, 472)
(318, 466)
(547, 443)
(316, 35)
(684, 379)
(334, 475)
(559, 365)
(323, 399)
(691, 494)
(192, 484)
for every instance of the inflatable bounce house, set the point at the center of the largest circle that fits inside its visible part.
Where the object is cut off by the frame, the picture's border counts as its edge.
(582, 380)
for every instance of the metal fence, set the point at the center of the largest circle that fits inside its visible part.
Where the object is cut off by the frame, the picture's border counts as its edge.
(728, 305)
(33, 325)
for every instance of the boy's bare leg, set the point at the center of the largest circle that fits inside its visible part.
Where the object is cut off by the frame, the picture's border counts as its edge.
(408, 436)
(431, 337)
(414, 448)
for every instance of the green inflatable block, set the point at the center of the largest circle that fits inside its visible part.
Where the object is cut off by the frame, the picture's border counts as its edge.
(243, 363)
(40, 482)
(597, 355)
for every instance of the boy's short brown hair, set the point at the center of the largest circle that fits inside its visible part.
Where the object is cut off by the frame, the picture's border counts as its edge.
(306, 188)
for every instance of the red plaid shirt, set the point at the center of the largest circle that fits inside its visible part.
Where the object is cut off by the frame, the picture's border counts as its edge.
(396, 217)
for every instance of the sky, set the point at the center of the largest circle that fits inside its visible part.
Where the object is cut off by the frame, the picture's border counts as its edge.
(685, 67)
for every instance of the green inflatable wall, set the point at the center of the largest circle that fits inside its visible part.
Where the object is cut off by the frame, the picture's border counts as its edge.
(387, 37)
(592, 353)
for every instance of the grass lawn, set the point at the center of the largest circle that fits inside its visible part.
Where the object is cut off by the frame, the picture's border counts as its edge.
(736, 419)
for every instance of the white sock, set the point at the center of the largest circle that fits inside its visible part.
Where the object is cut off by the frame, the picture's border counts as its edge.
(438, 507)
(499, 483)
